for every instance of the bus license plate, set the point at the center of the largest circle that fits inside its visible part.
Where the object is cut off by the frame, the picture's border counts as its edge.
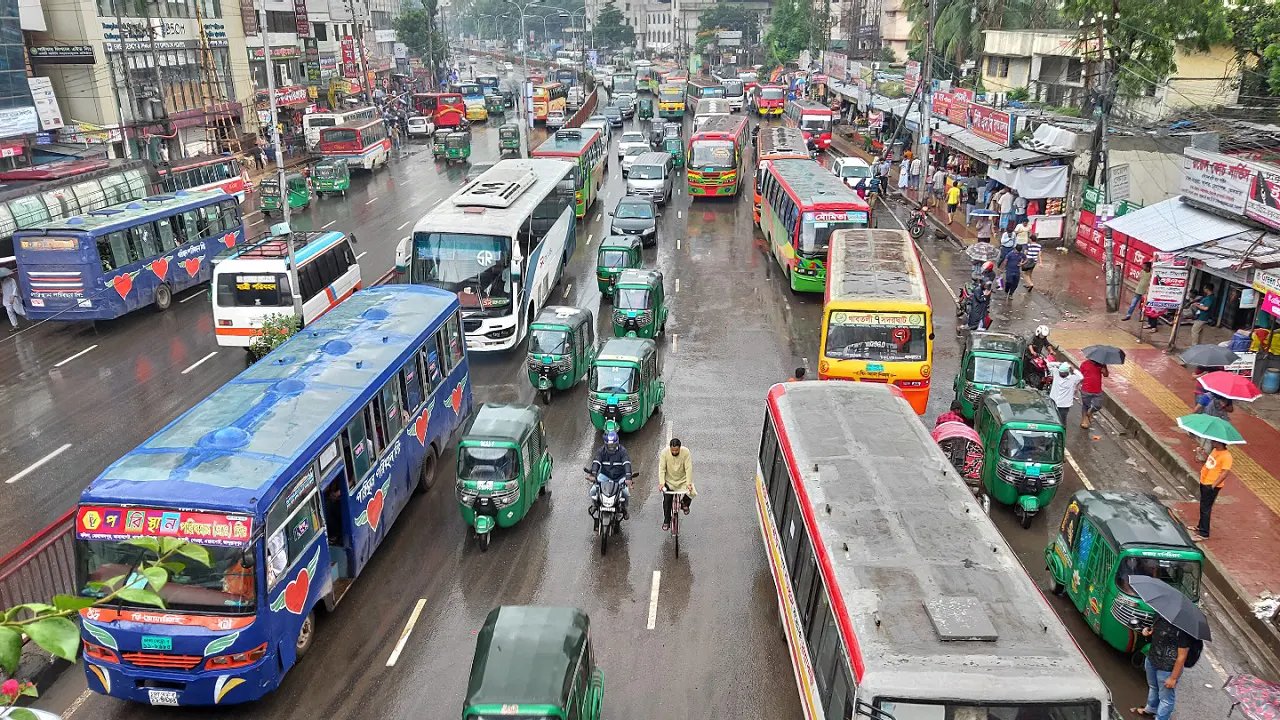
(163, 697)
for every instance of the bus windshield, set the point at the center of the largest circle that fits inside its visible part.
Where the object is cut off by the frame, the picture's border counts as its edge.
(476, 267)
(1035, 446)
(931, 711)
(225, 586)
(712, 91)
(771, 94)
(711, 154)
(893, 337)
(732, 88)
(624, 84)
(815, 233)
(815, 123)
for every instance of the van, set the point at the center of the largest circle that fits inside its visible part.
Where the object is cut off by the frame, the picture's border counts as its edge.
(575, 97)
(652, 176)
(251, 282)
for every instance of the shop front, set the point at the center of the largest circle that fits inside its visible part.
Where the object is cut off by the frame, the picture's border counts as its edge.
(291, 106)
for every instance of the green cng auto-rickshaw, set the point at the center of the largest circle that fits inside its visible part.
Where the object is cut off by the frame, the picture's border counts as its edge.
(645, 108)
(562, 344)
(1023, 443)
(457, 146)
(1104, 539)
(439, 144)
(494, 105)
(331, 176)
(299, 193)
(990, 360)
(504, 464)
(509, 139)
(625, 385)
(675, 148)
(534, 662)
(639, 304)
(616, 253)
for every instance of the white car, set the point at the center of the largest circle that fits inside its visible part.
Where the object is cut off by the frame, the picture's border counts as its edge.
(855, 172)
(555, 120)
(473, 59)
(631, 139)
(420, 126)
(601, 123)
(629, 158)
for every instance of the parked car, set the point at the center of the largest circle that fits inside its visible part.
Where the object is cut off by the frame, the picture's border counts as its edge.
(635, 216)
(630, 139)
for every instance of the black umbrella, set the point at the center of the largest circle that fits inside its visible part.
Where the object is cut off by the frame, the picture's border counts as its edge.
(1105, 354)
(1208, 356)
(1172, 605)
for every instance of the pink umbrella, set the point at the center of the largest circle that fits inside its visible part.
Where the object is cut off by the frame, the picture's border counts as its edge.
(1229, 385)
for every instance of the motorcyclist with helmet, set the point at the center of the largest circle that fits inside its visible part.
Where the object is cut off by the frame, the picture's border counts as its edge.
(1037, 370)
(612, 462)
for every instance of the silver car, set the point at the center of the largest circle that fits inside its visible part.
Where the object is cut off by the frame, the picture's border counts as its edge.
(629, 158)
(631, 139)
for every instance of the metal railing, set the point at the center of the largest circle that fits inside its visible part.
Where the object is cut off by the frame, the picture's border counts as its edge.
(41, 567)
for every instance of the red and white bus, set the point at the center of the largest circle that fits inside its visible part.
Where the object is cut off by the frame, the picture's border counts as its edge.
(362, 144)
(813, 118)
(771, 99)
(206, 172)
(716, 160)
(898, 596)
(445, 109)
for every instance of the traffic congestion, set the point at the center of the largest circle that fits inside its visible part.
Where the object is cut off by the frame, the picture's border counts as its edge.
(533, 408)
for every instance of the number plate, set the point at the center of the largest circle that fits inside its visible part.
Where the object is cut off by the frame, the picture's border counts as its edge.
(163, 697)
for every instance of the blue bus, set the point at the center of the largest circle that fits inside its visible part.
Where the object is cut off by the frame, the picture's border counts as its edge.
(108, 262)
(290, 477)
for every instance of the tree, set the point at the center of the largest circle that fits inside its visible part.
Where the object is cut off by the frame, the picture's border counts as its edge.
(611, 28)
(1255, 37)
(789, 31)
(417, 28)
(960, 24)
(276, 328)
(1148, 33)
(733, 17)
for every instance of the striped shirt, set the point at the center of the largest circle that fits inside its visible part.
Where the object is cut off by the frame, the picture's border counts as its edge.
(1032, 252)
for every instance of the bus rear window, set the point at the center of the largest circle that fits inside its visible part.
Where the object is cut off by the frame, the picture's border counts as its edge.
(43, 242)
(321, 122)
(339, 136)
(260, 290)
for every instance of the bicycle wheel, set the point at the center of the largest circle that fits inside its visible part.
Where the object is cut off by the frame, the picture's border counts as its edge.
(675, 526)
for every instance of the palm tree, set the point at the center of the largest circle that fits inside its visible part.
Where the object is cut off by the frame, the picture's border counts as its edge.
(957, 35)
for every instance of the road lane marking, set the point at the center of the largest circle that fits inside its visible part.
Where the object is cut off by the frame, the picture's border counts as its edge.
(193, 296)
(566, 291)
(590, 237)
(598, 216)
(406, 222)
(371, 200)
(76, 705)
(249, 215)
(653, 599)
(73, 357)
(1084, 480)
(677, 243)
(197, 363)
(36, 465)
(362, 254)
(675, 343)
(677, 284)
(679, 214)
(329, 225)
(404, 634)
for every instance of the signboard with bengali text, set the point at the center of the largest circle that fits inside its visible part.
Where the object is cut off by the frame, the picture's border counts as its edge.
(991, 124)
(1168, 287)
(101, 522)
(1219, 181)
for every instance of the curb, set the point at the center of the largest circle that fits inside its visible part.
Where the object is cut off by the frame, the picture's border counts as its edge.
(37, 666)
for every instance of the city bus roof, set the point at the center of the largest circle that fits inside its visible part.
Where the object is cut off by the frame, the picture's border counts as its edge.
(780, 142)
(929, 598)
(499, 201)
(306, 245)
(238, 448)
(569, 142)
(812, 184)
(868, 264)
(118, 217)
(722, 125)
(808, 106)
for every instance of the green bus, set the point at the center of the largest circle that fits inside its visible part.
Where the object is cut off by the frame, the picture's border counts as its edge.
(587, 149)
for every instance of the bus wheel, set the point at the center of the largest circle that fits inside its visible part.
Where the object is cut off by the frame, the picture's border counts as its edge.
(306, 635)
(164, 297)
(427, 478)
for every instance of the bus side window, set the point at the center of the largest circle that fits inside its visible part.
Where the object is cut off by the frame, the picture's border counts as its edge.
(793, 531)
(431, 363)
(164, 230)
(131, 245)
(455, 342)
(348, 255)
(356, 449)
(393, 413)
(230, 215)
(142, 238)
(779, 490)
(212, 220)
(187, 227)
(111, 251)
(818, 623)
(839, 705)
(309, 278)
(377, 428)
(411, 383)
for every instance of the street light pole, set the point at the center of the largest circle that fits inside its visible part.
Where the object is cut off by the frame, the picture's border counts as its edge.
(273, 135)
(525, 88)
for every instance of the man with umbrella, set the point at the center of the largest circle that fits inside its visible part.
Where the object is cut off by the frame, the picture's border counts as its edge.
(1094, 368)
(1179, 626)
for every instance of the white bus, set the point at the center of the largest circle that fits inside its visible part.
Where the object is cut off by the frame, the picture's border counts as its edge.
(501, 243)
(252, 282)
(311, 124)
(734, 90)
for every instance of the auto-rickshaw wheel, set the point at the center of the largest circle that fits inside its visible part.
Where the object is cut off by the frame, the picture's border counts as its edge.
(164, 297)
(483, 541)
(306, 636)
(344, 193)
(1057, 587)
(1024, 517)
(546, 396)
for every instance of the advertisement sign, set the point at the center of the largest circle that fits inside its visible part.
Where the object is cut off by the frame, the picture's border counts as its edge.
(248, 17)
(349, 68)
(911, 77)
(1267, 281)
(1219, 181)
(1118, 182)
(990, 124)
(205, 528)
(1168, 281)
(1271, 304)
(964, 94)
(283, 51)
(834, 64)
(46, 103)
(311, 56)
(300, 17)
(1264, 196)
(61, 55)
(941, 104)
(958, 113)
(875, 119)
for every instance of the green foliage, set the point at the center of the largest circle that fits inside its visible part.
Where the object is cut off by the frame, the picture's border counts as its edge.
(611, 28)
(1018, 94)
(957, 37)
(789, 31)
(1149, 32)
(276, 328)
(729, 16)
(418, 28)
(1255, 37)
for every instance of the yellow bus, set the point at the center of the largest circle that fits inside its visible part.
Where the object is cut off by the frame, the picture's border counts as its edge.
(548, 97)
(671, 100)
(877, 322)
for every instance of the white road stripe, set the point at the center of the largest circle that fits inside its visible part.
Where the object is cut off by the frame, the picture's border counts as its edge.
(675, 343)
(653, 599)
(406, 222)
(36, 465)
(329, 225)
(598, 217)
(73, 357)
(197, 363)
(567, 288)
(76, 705)
(404, 634)
(362, 254)
(371, 200)
(679, 214)
(249, 215)
(590, 237)
(193, 296)
(677, 284)
(677, 243)
(1084, 480)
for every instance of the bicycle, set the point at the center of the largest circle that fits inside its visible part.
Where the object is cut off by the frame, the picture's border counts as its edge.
(677, 509)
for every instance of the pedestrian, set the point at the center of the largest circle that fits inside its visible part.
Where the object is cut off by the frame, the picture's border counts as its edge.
(1165, 660)
(1012, 263)
(983, 230)
(916, 166)
(1007, 242)
(886, 167)
(904, 179)
(970, 202)
(1091, 390)
(953, 201)
(1203, 307)
(1006, 209)
(1063, 390)
(1030, 258)
(798, 376)
(1213, 475)
(1019, 208)
(10, 298)
(939, 184)
(1140, 292)
(1214, 405)
(980, 301)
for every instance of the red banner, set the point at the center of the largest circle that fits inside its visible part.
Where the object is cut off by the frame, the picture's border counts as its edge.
(349, 68)
(991, 124)
(941, 104)
(963, 94)
(958, 113)
(205, 528)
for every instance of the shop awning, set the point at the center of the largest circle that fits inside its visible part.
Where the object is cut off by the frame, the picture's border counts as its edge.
(1173, 226)
(58, 152)
(1016, 157)
(972, 145)
(1241, 251)
(1033, 182)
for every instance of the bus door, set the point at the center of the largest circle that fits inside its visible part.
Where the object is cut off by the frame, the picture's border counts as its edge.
(338, 527)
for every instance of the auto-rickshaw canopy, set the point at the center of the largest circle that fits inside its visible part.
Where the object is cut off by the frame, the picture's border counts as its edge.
(527, 655)
(329, 168)
(1134, 520)
(501, 422)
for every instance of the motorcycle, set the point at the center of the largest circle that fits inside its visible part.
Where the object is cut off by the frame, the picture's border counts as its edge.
(606, 510)
(1038, 373)
(916, 223)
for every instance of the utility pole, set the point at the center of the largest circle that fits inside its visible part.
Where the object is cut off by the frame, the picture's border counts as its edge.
(273, 136)
(526, 88)
(926, 95)
(126, 81)
(155, 70)
(431, 54)
(1099, 156)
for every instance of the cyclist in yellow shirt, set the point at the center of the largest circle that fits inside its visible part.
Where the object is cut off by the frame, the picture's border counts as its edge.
(675, 474)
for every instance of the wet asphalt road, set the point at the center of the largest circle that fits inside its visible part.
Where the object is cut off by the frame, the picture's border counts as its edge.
(716, 650)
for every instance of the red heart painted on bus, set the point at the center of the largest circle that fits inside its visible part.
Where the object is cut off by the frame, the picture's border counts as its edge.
(191, 265)
(160, 266)
(122, 284)
(455, 399)
(295, 595)
(229, 239)
(374, 509)
(420, 428)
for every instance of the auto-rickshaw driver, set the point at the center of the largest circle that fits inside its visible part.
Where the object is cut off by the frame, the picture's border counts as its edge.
(612, 462)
